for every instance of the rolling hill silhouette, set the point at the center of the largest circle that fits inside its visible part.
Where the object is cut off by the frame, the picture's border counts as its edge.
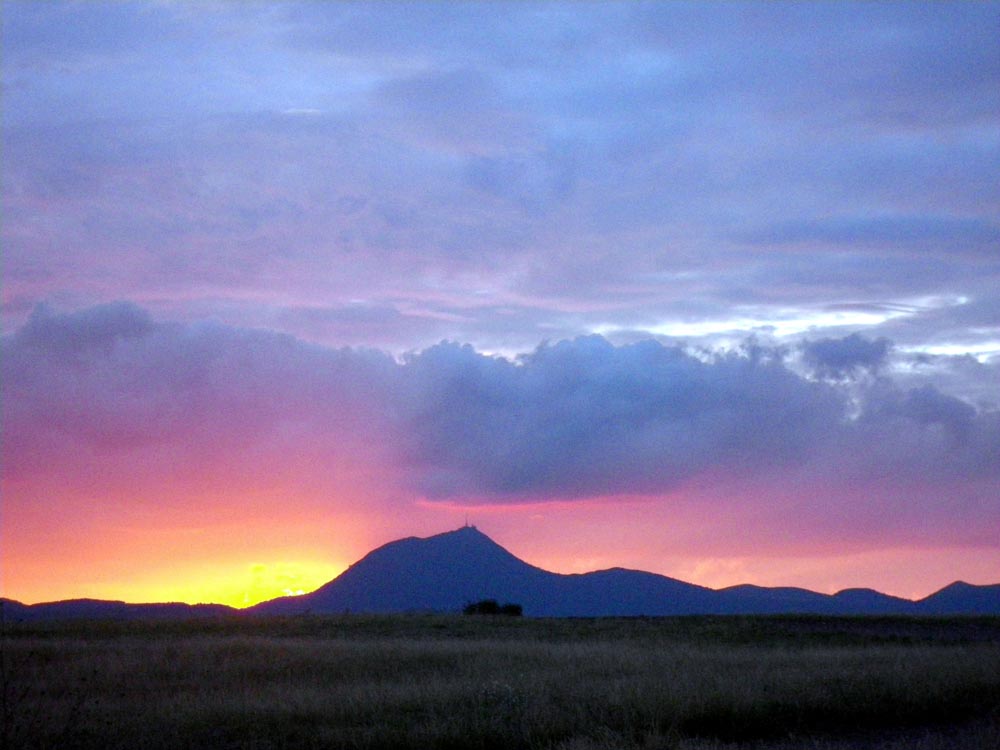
(443, 573)
(101, 609)
(961, 598)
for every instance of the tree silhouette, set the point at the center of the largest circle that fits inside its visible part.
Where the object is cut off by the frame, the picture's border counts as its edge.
(491, 607)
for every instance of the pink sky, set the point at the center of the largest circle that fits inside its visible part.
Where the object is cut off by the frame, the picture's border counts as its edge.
(707, 290)
(148, 459)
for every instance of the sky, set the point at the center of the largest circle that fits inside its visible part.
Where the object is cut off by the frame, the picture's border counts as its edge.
(706, 289)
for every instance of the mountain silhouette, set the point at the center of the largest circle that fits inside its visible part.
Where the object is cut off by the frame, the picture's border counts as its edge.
(962, 598)
(445, 572)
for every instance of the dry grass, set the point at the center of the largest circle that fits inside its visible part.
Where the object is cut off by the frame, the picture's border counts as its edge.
(453, 682)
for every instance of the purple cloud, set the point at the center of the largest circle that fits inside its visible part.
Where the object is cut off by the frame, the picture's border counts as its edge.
(284, 180)
(100, 393)
(439, 155)
(953, 235)
(839, 358)
(582, 418)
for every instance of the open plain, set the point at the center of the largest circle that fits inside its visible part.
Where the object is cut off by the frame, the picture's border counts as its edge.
(434, 681)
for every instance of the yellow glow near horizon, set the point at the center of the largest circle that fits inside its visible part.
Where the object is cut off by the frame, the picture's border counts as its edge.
(235, 584)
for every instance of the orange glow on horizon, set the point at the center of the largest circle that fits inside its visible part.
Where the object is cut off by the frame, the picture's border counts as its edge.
(241, 548)
(234, 583)
(237, 584)
(220, 549)
(909, 573)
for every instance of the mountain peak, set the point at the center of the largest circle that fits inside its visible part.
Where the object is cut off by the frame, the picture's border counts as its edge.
(446, 571)
(960, 597)
(465, 544)
(442, 572)
(467, 538)
(468, 530)
(958, 586)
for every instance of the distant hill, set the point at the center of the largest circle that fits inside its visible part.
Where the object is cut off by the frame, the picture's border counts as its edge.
(960, 598)
(97, 609)
(442, 573)
(445, 572)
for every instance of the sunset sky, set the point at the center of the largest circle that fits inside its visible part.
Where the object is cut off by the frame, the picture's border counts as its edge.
(708, 289)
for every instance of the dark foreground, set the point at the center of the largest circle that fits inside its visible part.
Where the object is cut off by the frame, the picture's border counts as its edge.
(697, 683)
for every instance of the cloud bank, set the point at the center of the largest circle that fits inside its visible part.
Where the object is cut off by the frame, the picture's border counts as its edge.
(94, 395)
(503, 174)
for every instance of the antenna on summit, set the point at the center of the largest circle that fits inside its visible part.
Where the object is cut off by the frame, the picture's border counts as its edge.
(466, 520)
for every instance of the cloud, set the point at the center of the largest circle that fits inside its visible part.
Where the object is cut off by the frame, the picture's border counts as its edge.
(959, 235)
(583, 417)
(912, 67)
(105, 397)
(458, 112)
(79, 33)
(95, 328)
(533, 182)
(102, 392)
(926, 406)
(465, 149)
(840, 358)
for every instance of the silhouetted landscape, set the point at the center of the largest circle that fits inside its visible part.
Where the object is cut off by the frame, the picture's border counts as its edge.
(704, 290)
(383, 657)
(446, 572)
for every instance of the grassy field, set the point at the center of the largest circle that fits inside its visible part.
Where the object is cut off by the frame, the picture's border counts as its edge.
(699, 683)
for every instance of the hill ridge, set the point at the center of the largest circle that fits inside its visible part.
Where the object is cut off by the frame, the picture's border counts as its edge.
(444, 572)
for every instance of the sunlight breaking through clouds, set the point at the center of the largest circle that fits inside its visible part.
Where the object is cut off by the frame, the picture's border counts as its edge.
(778, 323)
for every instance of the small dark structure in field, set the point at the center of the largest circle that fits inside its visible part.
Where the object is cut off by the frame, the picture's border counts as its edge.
(491, 607)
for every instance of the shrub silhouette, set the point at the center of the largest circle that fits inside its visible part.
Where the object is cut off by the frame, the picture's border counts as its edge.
(491, 607)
